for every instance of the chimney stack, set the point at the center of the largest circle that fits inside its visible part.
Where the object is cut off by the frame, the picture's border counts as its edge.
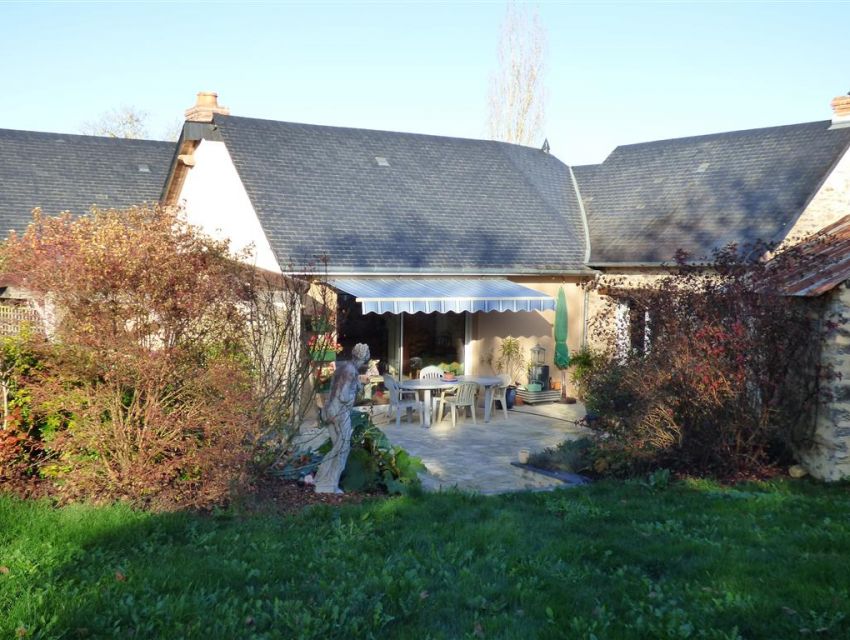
(205, 108)
(840, 112)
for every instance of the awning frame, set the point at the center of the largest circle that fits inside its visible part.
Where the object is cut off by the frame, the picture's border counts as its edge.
(437, 295)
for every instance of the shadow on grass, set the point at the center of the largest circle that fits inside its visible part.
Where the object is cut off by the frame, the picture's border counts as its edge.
(615, 560)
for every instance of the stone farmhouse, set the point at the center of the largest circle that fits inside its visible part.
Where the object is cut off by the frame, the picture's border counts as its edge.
(439, 247)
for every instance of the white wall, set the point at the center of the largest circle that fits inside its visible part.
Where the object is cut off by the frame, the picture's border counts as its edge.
(215, 199)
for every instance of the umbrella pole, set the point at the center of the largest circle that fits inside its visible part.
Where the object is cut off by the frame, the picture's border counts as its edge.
(401, 350)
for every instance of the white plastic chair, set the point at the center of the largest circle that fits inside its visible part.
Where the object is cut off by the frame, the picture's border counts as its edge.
(500, 392)
(402, 399)
(465, 397)
(431, 373)
(437, 402)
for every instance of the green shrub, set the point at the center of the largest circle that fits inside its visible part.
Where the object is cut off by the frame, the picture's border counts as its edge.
(23, 431)
(583, 364)
(574, 456)
(375, 464)
(362, 472)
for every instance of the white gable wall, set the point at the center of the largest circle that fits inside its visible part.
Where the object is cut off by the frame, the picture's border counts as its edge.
(215, 200)
(831, 202)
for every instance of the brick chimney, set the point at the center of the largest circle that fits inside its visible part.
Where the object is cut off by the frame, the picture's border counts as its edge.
(840, 112)
(205, 108)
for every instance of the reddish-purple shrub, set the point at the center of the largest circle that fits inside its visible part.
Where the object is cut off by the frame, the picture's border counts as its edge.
(145, 391)
(724, 374)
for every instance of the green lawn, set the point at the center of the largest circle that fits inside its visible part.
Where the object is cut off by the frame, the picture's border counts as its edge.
(610, 561)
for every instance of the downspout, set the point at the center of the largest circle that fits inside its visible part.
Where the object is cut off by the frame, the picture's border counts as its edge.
(586, 250)
(584, 320)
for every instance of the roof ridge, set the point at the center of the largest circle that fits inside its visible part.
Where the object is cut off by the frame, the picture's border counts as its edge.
(47, 134)
(716, 134)
(218, 118)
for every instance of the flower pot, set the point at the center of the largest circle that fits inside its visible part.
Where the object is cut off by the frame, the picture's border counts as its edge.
(523, 456)
(510, 397)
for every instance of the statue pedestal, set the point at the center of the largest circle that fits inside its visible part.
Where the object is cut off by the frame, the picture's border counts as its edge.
(327, 488)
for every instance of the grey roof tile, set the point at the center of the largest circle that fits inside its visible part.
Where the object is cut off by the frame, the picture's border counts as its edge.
(442, 204)
(646, 201)
(64, 172)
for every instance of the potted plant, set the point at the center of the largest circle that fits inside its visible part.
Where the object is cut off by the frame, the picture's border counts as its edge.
(512, 363)
(323, 347)
(324, 373)
(583, 364)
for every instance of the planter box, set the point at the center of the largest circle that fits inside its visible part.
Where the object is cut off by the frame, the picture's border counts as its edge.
(534, 397)
(328, 355)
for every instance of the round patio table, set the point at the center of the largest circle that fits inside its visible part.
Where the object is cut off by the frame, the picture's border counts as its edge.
(426, 386)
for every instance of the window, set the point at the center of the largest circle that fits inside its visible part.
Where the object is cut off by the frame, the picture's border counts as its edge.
(633, 328)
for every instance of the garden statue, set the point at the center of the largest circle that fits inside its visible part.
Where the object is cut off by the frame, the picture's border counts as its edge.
(345, 385)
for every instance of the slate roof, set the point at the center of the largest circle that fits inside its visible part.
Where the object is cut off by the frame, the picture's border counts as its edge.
(63, 172)
(443, 205)
(647, 200)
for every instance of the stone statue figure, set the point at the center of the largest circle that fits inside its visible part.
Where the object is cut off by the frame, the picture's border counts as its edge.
(345, 385)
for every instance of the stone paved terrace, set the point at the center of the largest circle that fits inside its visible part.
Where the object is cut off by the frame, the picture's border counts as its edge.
(478, 458)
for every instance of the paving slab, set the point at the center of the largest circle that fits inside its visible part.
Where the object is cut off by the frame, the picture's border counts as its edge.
(478, 457)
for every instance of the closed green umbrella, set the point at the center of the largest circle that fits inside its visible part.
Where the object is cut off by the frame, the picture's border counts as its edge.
(562, 352)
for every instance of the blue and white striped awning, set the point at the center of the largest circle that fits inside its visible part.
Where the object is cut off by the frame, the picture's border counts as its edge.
(430, 295)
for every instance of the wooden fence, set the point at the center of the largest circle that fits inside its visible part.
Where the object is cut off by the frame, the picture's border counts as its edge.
(13, 317)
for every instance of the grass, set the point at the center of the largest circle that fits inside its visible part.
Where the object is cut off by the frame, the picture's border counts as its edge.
(688, 560)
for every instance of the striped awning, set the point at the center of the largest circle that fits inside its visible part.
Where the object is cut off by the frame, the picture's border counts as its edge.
(434, 295)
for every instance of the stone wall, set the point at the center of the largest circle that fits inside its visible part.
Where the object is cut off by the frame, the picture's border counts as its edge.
(830, 203)
(829, 456)
(601, 307)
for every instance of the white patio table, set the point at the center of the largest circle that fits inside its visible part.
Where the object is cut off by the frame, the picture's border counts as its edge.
(426, 386)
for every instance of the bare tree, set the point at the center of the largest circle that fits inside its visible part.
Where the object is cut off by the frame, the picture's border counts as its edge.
(285, 376)
(172, 130)
(123, 122)
(517, 92)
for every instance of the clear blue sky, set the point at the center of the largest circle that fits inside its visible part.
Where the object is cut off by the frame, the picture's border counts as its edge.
(617, 72)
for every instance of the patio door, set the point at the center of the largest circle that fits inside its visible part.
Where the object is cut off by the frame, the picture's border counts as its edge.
(407, 342)
(419, 340)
